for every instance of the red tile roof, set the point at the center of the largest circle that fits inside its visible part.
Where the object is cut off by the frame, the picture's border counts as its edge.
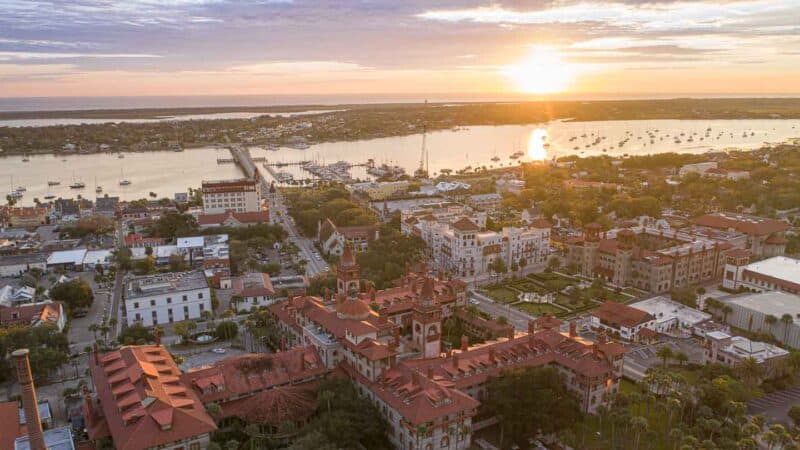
(245, 375)
(144, 402)
(135, 238)
(253, 285)
(617, 314)
(464, 224)
(759, 226)
(541, 223)
(10, 429)
(31, 314)
(241, 217)
(275, 406)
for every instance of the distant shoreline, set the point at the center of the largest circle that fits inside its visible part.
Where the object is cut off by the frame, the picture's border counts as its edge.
(166, 112)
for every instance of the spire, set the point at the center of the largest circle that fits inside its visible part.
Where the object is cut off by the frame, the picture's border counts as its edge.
(347, 260)
(426, 296)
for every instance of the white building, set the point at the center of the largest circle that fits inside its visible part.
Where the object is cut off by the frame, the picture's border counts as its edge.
(254, 291)
(671, 316)
(776, 313)
(778, 273)
(240, 195)
(722, 348)
(158, 299)
(379, 190)
(16, 265)
(462, 249)
(698, 168)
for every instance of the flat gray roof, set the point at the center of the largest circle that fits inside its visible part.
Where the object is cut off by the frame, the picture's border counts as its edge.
(150, 285)
(775, 303)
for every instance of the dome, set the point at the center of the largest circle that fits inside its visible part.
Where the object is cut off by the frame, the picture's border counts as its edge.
(352, 308)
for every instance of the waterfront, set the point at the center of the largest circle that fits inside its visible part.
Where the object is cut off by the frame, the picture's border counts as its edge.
(168, 172)
(164, 173)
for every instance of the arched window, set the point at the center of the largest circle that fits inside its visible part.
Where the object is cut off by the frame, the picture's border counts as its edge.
(445, 442)
(429, 447)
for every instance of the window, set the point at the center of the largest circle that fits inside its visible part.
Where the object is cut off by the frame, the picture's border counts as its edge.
(199, 295)
(185, 298)
(445, 442)
(152, 303)
(169, 299)
(135, 305)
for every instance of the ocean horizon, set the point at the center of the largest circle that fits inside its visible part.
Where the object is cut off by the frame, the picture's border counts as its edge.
(67, 103)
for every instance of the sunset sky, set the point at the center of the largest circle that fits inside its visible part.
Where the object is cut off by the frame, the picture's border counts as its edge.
(229, 47)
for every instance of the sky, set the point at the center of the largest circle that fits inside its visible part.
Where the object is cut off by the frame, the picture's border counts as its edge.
(285, 47)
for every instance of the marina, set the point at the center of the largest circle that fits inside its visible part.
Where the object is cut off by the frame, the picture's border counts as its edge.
(476, 146)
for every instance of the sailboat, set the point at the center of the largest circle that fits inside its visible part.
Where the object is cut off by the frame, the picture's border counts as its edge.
(97, 188)
(76, 184)
(15, 194)
(123, 181)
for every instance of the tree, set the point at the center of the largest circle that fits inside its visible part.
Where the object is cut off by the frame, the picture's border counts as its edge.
(75, 294)
(176, 263)
(530, 400)
(172, 225)
(639, 425)
(136, 334)
(227, 330)
(794, 414)
(553, 263)
(681, 358)
(787, 321)
(685, 295)
(665, 353)
(750, 371)
(770, 321)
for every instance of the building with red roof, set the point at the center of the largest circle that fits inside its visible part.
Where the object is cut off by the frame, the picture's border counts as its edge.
(650, 259)
(333, 238)
(621, 321)
(34, 314)
(766, 237)
(252, 291)
(141, 402)
(233, 219)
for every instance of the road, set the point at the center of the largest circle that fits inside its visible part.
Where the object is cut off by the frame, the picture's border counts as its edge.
(515, 317)
(278, 209)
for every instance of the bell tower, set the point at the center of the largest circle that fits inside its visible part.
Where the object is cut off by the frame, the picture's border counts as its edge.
(426, 322)
(348, 274)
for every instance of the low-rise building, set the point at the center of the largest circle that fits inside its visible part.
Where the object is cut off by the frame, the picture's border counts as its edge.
(671, 316)
(622, 321)
(779, 273)
(728, 174)
(67, 259)
(252, 291)
(166, 298)
(240, 195)
(17, 265)
(136, 240)
(488, 202)
(766, 237)
(333, 239)
(233, 219)
(27, 216)
(106, 206)
(34, 315)
(722, 348)
(774, 312)
(379, 190)
(699, 168)
(511, 185)
(140, 402)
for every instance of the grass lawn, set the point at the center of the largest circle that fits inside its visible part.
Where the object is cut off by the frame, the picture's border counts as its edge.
(502, 295)
(610, 295)
(572, 302)
(539, 309)
(552, 281)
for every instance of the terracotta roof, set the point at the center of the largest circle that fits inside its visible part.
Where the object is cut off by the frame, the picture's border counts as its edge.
(253, 285)
(274, 406)
(245, 375)
(144, 402)
(776, 239)
(347, 260)
(314, 310)
(352, 308)
(548, 322)
(370, 349)
(608, 246)
(541, 223)
(241, 217)
(10, 429)
(738, 253)
(464, 224)
(31, 314)
(135, 238)
(746, 224)
(617, 314)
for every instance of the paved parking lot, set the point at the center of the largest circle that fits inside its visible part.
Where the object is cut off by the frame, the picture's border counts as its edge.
(775, 406)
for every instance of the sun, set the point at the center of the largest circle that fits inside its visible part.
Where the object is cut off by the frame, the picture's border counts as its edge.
(542, 72)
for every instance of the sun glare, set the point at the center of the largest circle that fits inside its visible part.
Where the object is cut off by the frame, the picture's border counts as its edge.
(537, 145)
(542, 72)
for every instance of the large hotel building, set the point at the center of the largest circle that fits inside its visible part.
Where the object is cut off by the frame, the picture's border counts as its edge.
(240, 195)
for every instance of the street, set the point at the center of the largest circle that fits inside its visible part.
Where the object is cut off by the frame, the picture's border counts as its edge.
(307, 251)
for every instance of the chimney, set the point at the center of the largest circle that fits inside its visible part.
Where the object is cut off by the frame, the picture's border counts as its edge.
(531, 327)
(464, 343)
(573, 329)
(29, 404)
(492, 358)
(96, 353)
(430, 372)
(156, 336)
(455, 360)
(601, 338)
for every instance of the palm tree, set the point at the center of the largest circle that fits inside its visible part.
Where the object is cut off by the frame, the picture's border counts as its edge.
(681, 358)
(673, 405)
(665, 353)
(770, 320)
(726, 309)
(786, 320)
(639, 425)
(770, 438)
(232, 444)
(750, 371)
(326, 397)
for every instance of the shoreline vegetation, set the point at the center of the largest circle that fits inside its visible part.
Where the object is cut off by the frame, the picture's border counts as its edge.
(348, 122)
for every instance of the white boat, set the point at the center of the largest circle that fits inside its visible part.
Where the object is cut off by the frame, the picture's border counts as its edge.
(53, 183)
(120, 156)
(77, 185)
(16, 195)
(123, 181)
(49, 197)
(21, 189)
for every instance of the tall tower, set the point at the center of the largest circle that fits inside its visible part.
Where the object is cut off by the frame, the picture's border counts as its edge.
(591, 242)
(426, 322)
(626, 239)
(29, 403)
(348, 274)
